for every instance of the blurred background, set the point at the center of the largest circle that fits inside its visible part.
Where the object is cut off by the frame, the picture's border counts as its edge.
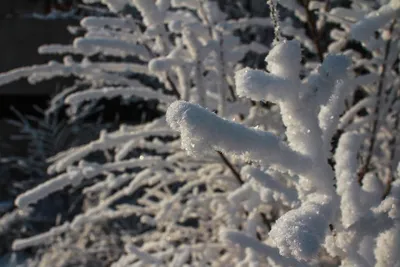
(24, 26)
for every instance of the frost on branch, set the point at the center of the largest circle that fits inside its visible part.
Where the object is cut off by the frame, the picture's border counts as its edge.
(347, 186)
(173, 50)
(198, 134)
(259, 192)
(365, 28)
(301, 232)
(263, 249)
(388, 247)
(299, 102)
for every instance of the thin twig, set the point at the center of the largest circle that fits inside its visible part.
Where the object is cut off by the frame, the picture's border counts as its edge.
(224, 84)
(313, 29)
(173, 87)
(275, 19)
(171, 83)
(240, 180)
(393, 146)
(204, 15)
(231, 167)
(377, 110)
(232, 92)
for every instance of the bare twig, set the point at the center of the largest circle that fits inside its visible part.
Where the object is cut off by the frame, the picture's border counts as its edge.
(377, 110)
(393, 146)
(203, 14)
(312, 26)
(231, 167)
(238, 177)
(173, 87)
(171, 83)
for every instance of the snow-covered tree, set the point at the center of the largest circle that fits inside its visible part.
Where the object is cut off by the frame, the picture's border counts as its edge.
(178, 50)
(262, 182)
(347, 211)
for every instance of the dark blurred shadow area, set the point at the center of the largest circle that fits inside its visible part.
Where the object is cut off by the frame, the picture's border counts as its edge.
(24, 26)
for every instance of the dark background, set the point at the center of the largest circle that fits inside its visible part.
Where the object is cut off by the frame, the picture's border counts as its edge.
(21, 35)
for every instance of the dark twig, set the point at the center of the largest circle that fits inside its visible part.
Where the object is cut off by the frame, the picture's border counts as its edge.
(173, 87)
(377, 110)
(171, 83)
(232, 92)
(393, 146)
(312, 26)
(240, 180)
(231, 167)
